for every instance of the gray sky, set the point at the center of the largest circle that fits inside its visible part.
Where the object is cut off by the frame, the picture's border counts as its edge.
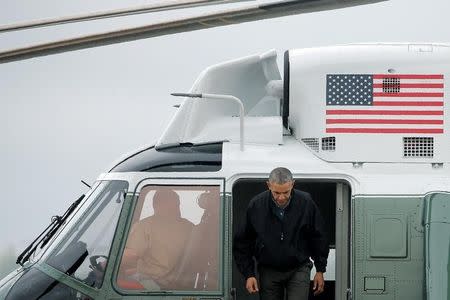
(69, 116)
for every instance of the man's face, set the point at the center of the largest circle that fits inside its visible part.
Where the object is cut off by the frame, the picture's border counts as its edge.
(281, 192)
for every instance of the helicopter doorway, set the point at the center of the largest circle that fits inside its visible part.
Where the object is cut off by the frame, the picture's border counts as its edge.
(333, 200)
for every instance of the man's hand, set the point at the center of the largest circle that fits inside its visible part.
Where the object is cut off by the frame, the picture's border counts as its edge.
(319, 284)
(129, 258)
(252, 285)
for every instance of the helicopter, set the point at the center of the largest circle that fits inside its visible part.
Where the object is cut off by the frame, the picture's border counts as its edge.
(382, 186)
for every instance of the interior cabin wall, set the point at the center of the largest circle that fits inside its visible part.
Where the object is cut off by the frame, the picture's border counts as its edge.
(323, 193)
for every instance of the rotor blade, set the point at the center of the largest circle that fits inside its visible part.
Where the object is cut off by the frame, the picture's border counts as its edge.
(227, 17)
(168, 5)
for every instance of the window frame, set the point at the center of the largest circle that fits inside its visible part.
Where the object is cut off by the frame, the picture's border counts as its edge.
(70, 280)
(223, 240)
(45, 271)
(59, 236)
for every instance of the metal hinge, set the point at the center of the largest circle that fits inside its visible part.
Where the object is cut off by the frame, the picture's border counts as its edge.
(233, 293)
(349, 294)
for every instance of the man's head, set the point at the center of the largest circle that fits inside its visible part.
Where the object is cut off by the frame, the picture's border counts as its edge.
(166, 203)
(280, 184)
(208, 201)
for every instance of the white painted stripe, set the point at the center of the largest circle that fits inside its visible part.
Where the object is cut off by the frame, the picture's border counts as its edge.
(413, 80)
(421, 126)
(413, 90)
(387, 117)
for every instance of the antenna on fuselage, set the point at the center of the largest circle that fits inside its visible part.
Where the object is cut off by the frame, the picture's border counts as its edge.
(85, 183)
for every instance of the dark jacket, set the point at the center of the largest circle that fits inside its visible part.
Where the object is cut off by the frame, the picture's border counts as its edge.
(282, 244)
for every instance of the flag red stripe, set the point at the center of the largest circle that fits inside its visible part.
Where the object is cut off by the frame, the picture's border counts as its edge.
(408, 94)
(384, 112)
(412, 85)
(384, 130)
(409, 76)
(408, 103)
(383, 121)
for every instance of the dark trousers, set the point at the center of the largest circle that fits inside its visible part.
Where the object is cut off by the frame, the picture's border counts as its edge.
(290, 285)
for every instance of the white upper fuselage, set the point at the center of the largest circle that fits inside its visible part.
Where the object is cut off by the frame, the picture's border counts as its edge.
(256, 161)
(370, 97)
(394, 153)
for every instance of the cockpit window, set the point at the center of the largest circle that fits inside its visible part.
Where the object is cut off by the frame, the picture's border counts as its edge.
(173, 243)
(183, 158)
(83, 254)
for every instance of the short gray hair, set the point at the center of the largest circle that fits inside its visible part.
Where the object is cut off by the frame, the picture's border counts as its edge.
(280, 175)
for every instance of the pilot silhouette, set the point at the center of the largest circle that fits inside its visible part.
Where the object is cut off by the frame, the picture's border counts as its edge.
(156, 243)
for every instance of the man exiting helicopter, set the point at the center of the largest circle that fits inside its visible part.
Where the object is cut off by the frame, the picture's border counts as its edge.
(282, 230)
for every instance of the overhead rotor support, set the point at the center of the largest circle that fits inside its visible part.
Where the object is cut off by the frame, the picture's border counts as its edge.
(222, 97)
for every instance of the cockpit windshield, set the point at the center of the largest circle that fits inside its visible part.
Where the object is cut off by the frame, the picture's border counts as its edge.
(83, 250)
(80, 249)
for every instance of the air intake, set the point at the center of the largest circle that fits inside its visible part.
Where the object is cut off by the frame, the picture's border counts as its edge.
(391, 85)
(329, 143)
(418, 147)
(312, 143)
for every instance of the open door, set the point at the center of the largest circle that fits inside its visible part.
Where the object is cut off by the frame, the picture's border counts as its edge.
(333, 200)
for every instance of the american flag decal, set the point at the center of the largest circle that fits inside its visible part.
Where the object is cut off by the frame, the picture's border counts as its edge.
(385, 103)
